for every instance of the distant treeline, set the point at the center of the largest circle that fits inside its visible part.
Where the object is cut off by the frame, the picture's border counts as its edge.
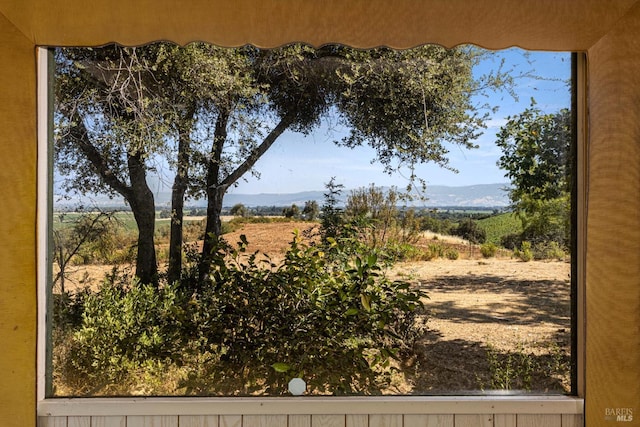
(444, 212)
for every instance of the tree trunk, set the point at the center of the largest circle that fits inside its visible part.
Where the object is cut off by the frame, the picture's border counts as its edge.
(215, 193)
(174, 271)
(180, 183)
(144, 212)
(138, 195)
(217, 186)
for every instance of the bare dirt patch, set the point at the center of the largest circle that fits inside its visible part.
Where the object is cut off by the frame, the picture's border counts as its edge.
(270, 238)
(491, 322)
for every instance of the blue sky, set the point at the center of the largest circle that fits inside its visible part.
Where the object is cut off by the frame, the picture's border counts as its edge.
(298, 163)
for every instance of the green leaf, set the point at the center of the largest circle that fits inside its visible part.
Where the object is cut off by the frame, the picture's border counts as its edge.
(351, 311)
(281, 367)
(366, 301)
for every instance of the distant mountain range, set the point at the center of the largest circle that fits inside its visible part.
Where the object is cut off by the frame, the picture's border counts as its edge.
(482, 195)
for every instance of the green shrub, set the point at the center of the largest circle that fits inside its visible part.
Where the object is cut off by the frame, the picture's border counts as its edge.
(488, 250)
(404, 252)
(334, 321)
(513, 370)
(469, 230)
(511, 241)
(122, 329)
(548, 251)
(436, 250)
(524, 253)
(326, 313)
(452, 254)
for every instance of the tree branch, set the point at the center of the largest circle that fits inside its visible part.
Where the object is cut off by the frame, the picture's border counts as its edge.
(81, 135)
(251, 160)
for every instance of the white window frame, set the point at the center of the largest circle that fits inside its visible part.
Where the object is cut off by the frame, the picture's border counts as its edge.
(495, 403)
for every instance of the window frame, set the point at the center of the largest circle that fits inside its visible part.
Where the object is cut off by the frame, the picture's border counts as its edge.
(488, 403)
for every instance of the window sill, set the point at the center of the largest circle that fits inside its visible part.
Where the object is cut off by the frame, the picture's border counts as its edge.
(488, 404)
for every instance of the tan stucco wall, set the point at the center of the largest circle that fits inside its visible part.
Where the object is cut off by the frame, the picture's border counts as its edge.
(613, 237)
(17, 228)
(534, 24)
(613, 44)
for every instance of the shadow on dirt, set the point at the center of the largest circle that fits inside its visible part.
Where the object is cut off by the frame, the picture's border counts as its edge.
(461, 367)
(445, 364)
(529, 302)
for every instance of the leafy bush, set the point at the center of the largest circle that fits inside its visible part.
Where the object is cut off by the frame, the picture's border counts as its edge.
(404, 252)
(325, 313)
(524, 253)
(548, 251)
(122, 330)
(488, 250)
(379, 222)
(336, 324)
(452, 254)
(436, 225)
(469, 230)
(436, 250)
(511, 241)
(511, 371)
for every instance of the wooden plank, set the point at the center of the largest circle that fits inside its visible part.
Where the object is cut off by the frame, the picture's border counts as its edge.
(117, 421)
(572, 420)
(385, 420)
(482, 420)
(328, 421)
(152, 421)
(531, 420)
(504, 420)
(198, 421)
(52, 422)
(230, 421)
(353, 420)
(418, 405)
(299, 421)
(415, 420)
(264, 420)
(79, 422)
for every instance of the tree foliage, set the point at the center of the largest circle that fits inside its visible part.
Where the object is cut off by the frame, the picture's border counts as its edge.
(213, 112)
(535, 155)
(468, 229)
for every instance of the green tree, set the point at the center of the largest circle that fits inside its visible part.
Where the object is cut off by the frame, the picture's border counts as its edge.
(331, 217)
(468, 229)
(119, 108)
(535, 155)
(109, 111)
(239, 210)
(376, 210)
(216, 111)
(291, 212)
(311, 210)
